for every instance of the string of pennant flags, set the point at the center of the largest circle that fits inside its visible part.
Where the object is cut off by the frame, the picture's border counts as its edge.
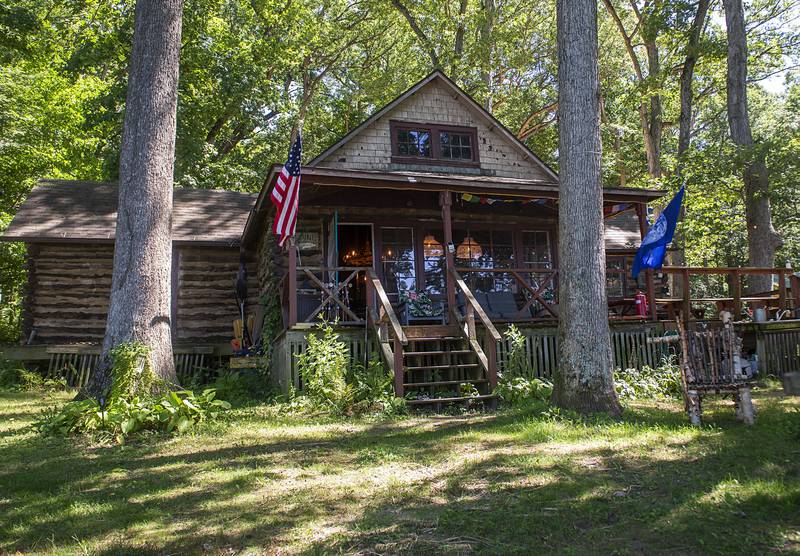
(470, 198)
(608, 210)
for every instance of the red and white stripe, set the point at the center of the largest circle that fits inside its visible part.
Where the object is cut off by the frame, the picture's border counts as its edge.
(285, 196)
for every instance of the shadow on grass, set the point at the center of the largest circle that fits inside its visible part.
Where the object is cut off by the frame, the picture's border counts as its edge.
(514, 482)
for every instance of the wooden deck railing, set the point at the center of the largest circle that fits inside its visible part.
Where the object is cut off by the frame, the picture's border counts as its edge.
(380, 316)
(538, 283)
(782, 299)
(487, 355)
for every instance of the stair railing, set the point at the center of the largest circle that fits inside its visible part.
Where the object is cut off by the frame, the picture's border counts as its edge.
(381, 316)
(487, 354)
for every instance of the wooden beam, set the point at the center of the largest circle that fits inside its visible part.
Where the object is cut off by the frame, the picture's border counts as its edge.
(641, 212)
(446, 202)
(292, 284)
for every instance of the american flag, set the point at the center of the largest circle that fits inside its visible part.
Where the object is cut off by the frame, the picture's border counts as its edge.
(286, 193)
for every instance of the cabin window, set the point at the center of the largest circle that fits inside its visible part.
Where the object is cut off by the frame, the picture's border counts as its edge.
(486, 249)
(414, 142)
(433, 144)
(397, 258)
(456, 146)
(536, 249)
(433, 258)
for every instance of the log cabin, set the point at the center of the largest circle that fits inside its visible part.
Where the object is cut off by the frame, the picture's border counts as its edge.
(423, 233)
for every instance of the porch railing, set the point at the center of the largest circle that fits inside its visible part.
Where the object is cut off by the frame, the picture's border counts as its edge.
(540, 287)
(326, 294)
(487, 354)
(782, 299)
(534, 291)
(381, 316)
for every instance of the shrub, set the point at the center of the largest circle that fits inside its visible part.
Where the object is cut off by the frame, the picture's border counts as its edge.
(663, 382)
(131, 406)
(175, 412)
(520, 389)
(14, 376)
(323, 368)
(241, 387)
(517, 364)
(331, 384)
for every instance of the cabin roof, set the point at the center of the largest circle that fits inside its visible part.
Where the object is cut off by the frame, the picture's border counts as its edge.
(622, 231)
(458, 93)
(67, 210)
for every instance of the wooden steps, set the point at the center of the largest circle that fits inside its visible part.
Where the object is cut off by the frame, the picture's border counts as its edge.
(491, 398)
(437, 367)
(443, 383)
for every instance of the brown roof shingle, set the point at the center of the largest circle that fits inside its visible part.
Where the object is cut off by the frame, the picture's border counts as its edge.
(81, 210)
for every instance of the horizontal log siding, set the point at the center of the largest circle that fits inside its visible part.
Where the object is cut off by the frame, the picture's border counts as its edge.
(68, 292)
(206, 307)
(70, 284)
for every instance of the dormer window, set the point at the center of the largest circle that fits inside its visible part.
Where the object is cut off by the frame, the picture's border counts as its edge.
(434, 144)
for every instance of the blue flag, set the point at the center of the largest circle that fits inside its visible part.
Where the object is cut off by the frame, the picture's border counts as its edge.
(654, 245)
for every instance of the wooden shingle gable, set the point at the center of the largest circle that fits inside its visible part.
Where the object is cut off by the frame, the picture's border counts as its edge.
(435, 100)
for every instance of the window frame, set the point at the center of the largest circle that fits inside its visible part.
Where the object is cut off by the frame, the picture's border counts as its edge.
(436, 148)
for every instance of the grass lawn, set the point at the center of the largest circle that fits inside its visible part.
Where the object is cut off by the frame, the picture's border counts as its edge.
(521, 481)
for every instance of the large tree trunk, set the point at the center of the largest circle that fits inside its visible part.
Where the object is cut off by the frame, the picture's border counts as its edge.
(140, 305)
(762, 238)
(584, 381)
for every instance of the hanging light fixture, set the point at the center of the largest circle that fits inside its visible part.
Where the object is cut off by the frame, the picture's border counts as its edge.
(469, 249)
(432, 248)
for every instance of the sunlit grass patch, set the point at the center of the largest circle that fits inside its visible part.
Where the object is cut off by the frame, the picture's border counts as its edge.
(522, 480)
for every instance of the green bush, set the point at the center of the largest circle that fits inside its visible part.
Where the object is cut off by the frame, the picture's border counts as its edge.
(331, 384)
(131, 406)
(663, 382)
(520, 389)
(174, 412)
(517, 364)
(241, 387)
(14, 376)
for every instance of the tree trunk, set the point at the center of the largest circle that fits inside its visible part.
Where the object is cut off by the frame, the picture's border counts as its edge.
(140, 304)
(487, 34)
(584, 381)
(685, 122)
(687, 78)
(762, 238)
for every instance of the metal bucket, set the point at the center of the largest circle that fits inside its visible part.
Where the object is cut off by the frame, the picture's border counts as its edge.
(760, 315)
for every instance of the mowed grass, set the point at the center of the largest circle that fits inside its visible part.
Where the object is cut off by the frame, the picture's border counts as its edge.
(520, 481)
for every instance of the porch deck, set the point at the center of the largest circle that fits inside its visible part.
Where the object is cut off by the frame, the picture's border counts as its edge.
(471, 339)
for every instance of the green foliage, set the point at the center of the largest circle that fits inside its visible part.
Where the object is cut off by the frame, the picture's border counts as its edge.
(519, 389)
(15, 377)
(323, 369)
(241, 387)
(331, 384)
(517, 364)
(132, 374)
(663, 382)
(174, 412)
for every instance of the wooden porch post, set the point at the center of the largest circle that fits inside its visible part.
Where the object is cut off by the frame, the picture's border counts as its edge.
(447, 225)
(292, 284)
(736, 282)
(641, 212)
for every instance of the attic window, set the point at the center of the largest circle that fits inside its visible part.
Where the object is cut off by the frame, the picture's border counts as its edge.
(415, 143)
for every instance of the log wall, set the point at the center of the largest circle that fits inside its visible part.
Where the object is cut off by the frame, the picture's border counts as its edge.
(69, 287)
(205, 307)
(68, 290)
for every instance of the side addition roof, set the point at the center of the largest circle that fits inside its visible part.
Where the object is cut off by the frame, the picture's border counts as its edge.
(65, 210)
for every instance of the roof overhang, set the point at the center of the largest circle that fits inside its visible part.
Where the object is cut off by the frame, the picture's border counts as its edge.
(419, 181)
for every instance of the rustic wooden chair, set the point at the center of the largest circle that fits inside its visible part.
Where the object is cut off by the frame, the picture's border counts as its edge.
(712, 364)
